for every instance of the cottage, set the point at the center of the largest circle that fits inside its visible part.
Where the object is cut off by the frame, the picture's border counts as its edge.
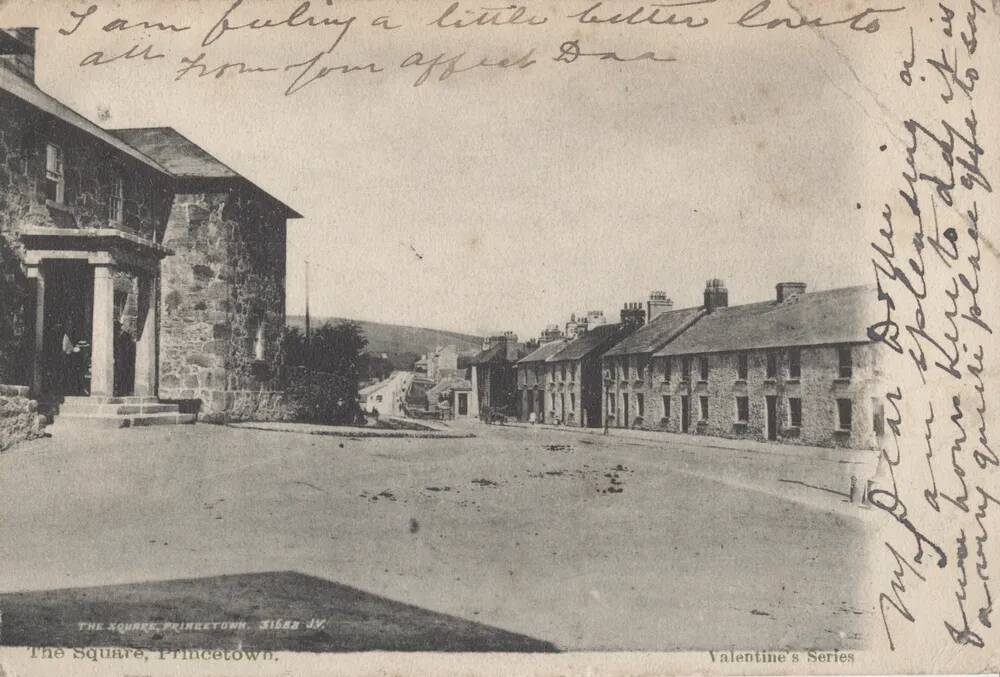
(632, 395)
(573, 374)
(531, 380)
(493, 375)
(798, 369)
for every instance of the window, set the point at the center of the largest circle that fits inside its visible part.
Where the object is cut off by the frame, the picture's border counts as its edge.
(623, 368)
(742, 409)
(116, 201)
(686, 368)
(611, 404)
(742, 366)
(703, 368)
(703, 401)
(666, 407)
(553, 401)
(562, 372)
(794, 363)
(772, 365)
(878, 416)
(795, 412)
(378, 398)
(572, 401)
(55, 179)
(524, 376)
(844, 414)
(640, 404)
(667, 368)
(845, 364)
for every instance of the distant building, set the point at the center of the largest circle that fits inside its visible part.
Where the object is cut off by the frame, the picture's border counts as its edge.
(493, 375)
(799, 368)
(627, 374)
(387, 397)
(531, 376)
(551, 332)
(573, 384)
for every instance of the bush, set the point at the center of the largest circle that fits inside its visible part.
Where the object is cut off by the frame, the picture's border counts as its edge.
(321, 375)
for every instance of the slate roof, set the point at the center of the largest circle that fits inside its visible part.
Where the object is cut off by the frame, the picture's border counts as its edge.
(581, 346)
(182, 157)
(497, 353)
(447, 384)
(656, 333)
(544, 351)
(28, 92)
(816, 318)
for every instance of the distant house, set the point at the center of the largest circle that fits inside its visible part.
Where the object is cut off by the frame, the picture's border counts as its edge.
(573, 375)
(493, 375)
(630, 393)
(531, 380)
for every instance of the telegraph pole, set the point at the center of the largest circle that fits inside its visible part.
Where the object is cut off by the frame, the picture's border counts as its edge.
(307, 300)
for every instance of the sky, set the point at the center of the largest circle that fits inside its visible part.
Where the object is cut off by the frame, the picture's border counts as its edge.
(506, 200)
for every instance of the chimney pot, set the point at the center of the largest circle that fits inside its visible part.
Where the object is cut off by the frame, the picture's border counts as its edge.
(789, 290)
(17, 51)
(716, 294)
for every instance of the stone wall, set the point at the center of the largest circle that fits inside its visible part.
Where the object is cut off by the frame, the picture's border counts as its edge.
(818, 388)
(225, 279)
(19, 417)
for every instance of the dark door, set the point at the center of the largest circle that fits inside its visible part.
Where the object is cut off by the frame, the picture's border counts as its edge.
(625, 408)
(463, 404)
(772, 417)
(685, 412)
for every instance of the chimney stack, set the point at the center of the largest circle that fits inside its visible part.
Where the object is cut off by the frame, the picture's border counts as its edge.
(17, 51)
(658, 303)
(633, 316)
(716, 294)
(789, 290)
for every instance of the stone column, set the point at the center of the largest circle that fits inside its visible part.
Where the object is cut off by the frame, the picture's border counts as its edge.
(145, 349)
(102, 341)
(38, 360)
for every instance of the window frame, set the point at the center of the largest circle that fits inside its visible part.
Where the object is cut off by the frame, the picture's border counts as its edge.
(703, 408)
(742, 412)
(742, 366)
(841, 427)
(771, 365)
(845, 363)
(116, 198)
(703, 368)
(794, 364)
(56, 174)
(665, 400)
(792, 422)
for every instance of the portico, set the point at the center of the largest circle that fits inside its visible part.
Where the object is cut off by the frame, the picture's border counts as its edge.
(95, 258)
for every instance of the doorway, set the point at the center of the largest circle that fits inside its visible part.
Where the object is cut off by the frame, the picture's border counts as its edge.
(463, 404)
(685, 413)
(67, 328)
(772, 416)
(625, 408)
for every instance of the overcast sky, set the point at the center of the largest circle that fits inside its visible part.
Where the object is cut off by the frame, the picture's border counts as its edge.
(507, 200)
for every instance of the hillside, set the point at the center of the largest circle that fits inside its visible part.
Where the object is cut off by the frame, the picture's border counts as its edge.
(397, 339)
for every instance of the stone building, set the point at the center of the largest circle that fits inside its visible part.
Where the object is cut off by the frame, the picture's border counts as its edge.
(88, 230)
(630, 389)
(223, 288)
(798, 369)
(493, 375)
(531, 380)
(573, 383)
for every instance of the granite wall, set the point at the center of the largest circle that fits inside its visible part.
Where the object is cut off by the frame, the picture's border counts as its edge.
(224, 282)
(19, 417)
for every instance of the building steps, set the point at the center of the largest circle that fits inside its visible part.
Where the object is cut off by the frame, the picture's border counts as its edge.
(77, 413)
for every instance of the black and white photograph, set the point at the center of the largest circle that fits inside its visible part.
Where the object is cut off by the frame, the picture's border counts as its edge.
(419, 337)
